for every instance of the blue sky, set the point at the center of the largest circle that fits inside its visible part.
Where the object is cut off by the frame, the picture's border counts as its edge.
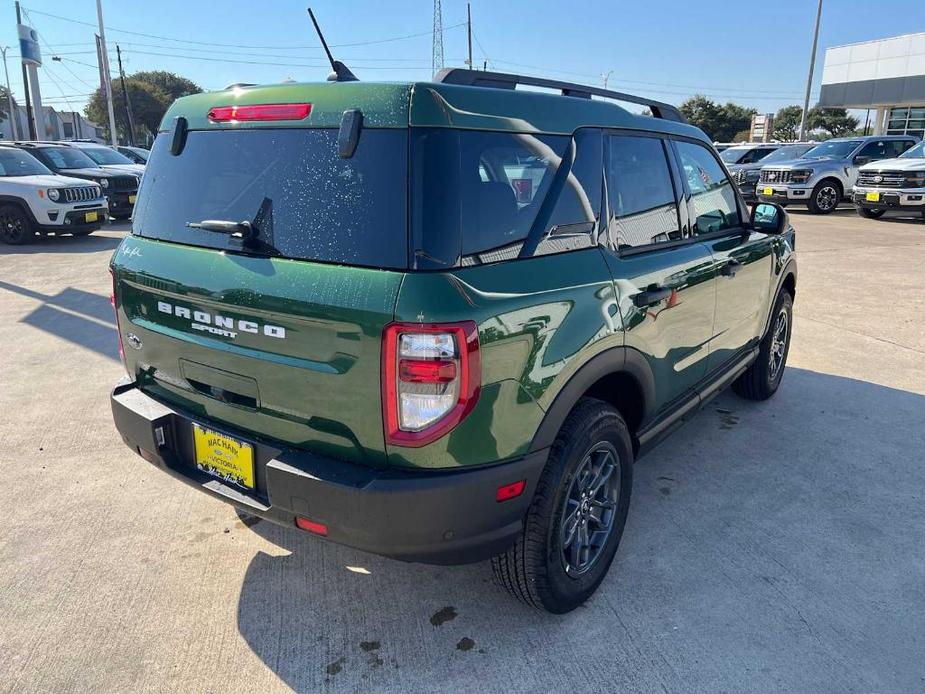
(666, 50)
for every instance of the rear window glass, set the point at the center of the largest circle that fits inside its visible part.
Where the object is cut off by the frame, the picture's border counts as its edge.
(476, 195)
(304, 199)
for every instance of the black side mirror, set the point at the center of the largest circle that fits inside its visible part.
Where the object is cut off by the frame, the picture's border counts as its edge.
(770, 218)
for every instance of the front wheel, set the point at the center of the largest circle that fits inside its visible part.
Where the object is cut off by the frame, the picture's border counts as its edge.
(761, 380)
(15, 226)
(869, 213)
(574, 524)
(825, 198)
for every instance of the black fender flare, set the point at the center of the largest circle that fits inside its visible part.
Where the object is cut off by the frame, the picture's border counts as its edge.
(789, 270)
(21, 204)
(614, 360)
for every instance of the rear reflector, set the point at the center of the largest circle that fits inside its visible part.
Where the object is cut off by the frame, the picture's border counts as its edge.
(259, 112)
(311, 526)
(510, 491)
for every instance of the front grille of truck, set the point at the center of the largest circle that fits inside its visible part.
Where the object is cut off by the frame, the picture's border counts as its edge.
(775, 176)
(81, 194)
(123, 184)
(882, 179)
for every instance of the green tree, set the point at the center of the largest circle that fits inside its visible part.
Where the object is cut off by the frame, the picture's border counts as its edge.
(171, 84)
(720, 123)
(787, 123)
(149, 103)
(835, 121)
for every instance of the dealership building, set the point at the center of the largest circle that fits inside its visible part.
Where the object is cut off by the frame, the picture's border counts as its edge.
(886, 76)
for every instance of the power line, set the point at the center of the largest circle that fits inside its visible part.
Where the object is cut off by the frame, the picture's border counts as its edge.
(238, 45)
(263, 62)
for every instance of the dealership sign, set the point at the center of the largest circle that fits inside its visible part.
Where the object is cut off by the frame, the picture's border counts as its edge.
(29, 46)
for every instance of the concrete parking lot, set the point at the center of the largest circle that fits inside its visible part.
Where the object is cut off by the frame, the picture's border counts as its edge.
(769, 547)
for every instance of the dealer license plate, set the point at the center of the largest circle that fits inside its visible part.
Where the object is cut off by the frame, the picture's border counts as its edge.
(224, 457)
(767, 191)
(92, 216)
(872, 197)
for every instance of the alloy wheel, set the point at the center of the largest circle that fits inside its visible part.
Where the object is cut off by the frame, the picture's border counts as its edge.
(778, 345)
(590, 508)
(827, 198)
(11, 228)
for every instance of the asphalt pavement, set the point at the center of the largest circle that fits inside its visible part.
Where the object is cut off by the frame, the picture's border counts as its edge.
(770, 547)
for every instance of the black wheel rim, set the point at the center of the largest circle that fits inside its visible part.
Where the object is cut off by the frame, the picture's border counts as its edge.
(587, 516)
(778, 345)
(11, 228)
(827, 198)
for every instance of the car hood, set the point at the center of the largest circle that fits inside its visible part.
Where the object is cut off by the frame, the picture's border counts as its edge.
(89, 173)
(134, 169)
(805, 164)
(900, 164)
(44, 181)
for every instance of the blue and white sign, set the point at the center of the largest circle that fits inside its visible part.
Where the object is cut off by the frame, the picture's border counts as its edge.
(29, 46)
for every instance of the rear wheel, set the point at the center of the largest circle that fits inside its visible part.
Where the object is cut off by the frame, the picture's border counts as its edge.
(869, 213)
(15, 226)
(826, 196)
(574, 524)
(761, 380)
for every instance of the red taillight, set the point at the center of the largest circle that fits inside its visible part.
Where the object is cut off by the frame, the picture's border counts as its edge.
(421, 371)
(259, 112)
(510, 491)
(311, 526)
(112, 301)
(431, 376)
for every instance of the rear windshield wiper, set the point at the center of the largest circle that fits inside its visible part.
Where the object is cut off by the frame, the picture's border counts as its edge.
(247, 232)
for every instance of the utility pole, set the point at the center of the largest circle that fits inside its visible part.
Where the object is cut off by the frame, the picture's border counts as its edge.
(128, 102)
(25, 83)
(809, 78)
(14, 117)
(104, 70)
(469, 29)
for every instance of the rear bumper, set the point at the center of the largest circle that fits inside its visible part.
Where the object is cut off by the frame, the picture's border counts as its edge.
(436, 517)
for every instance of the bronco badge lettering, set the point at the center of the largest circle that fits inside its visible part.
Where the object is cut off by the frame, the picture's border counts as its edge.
(220, 325)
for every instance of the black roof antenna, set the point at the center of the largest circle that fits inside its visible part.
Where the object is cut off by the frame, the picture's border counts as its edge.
(341, 73)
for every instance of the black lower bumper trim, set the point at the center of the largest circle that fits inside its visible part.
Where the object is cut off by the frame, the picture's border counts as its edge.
(437, 517)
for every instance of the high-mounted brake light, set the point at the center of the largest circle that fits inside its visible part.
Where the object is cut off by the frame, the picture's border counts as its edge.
(431, 376)
(259, 112)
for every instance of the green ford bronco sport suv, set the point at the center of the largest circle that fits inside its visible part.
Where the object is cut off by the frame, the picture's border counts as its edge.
(439, 321)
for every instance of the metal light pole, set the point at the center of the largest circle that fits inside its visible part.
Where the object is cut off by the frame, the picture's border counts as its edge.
(104, 69)
(809, 78)
(14, 116)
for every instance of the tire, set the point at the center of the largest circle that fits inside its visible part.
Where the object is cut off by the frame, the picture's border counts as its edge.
(121, 217)
(868, 213)
(826, 196)
(541, 569)
(15, 226)
(762, 379)
(83, 232)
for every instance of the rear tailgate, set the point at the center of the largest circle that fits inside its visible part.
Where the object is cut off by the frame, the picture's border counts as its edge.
(287, 350)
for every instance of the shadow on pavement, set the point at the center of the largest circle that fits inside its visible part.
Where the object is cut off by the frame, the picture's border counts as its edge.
(771, 545)
(65, 244)
(81, 317)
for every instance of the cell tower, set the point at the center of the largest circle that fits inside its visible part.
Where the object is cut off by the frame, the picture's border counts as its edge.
(438, 38)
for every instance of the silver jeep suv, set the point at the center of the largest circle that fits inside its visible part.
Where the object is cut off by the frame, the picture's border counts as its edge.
(826, 174)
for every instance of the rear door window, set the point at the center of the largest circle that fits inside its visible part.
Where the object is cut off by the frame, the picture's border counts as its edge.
(641, 196)
(306, 201)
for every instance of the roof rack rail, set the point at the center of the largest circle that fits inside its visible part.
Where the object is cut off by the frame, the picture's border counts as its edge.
(504, 80)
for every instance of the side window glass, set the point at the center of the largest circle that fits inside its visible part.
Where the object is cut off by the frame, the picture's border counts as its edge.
(641, 196)
(899, 146)
(575, 218)
(713, 199)
(875, 150)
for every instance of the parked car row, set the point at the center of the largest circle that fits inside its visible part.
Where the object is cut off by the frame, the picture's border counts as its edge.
(63, 187)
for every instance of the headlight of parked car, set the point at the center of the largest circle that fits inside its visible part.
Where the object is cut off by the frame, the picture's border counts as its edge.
(753, 176)
(104, 183)
(53, 194)
(801, 175)
(915, 179)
